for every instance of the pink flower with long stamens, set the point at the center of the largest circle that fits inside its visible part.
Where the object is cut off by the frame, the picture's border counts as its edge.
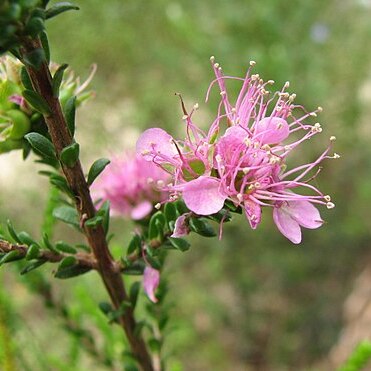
(131, 184)
(242, 158)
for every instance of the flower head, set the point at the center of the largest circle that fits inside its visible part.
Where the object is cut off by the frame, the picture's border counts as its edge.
(131, 185)
(242, 157)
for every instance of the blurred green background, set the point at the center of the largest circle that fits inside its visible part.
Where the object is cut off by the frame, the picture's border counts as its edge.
(253, 300)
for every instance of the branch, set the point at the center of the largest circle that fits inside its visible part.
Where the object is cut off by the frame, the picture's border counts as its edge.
(83, 259)
(108, 269)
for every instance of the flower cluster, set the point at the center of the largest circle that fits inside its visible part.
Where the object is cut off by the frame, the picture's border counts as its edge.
(242, 157)
(132, 185)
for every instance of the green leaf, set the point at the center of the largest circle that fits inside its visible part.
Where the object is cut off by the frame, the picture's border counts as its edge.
(26, 239)
(41, 145)
(45, 43)
(60, 182)
(11, 256)
(67, 261)
(94, 222)
(171, 214)
(97, 167)
(12, 232)
(60, 8)
(70, 154)
(136, 269)
(57, 79)
(201, 227)
(181, 207)
(35, 58)
(48, 244)
(156, 226)
(71, 271)
(65, 247)
(34, 26)
(135, 244)
(25, 78)
(67, 214)
(134, 292)
(69, 113)
(104, 212)
(105, 307)
(179, 243)
(33, 252)
(37, 101)
(30, 267)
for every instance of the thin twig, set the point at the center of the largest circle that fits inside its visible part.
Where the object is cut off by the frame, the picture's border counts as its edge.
(83, 259)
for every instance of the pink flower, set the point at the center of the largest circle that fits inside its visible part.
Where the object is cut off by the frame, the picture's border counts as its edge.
(151, 280)
(131, 184)
(242, 157)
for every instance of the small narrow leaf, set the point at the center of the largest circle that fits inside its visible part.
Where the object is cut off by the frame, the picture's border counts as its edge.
(11, 256)
(45, 43)
(65, 247)
(32, 252)
(70, 155)
(67, 214)
(34, 26)
(180, 244)
(136, 269)
(12, 232)
(30, 267)
(48, 244)
(134, 292)
(156, 226)
(171, 214)
(94, 222)
(71, 271)
(25, 78)
(135, 244)
(105, 307)
(201, 227)
(69, 113)
(35, 58)
(67, 261)
(26, 239)
(60, 8)
(57, 79)
(97, 167)
(60, 182)
(104, 212)
(37, 101)
(41, 145)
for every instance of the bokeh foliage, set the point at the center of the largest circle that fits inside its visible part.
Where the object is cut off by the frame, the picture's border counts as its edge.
(252, 298)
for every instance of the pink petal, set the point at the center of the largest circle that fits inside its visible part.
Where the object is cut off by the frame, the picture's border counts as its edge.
(141, 210)
(253, 213)
(181, 228)
(153, 141)
(271, 130)
(151, 280)
(287, 225)
(203, 196)
(304, 213)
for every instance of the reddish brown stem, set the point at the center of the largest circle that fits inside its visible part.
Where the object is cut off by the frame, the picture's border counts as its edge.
(107, 267)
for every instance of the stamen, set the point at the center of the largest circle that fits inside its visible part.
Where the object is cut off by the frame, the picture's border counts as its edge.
(252, 63)
(330, 205)
(332, 138)
(158, 206)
